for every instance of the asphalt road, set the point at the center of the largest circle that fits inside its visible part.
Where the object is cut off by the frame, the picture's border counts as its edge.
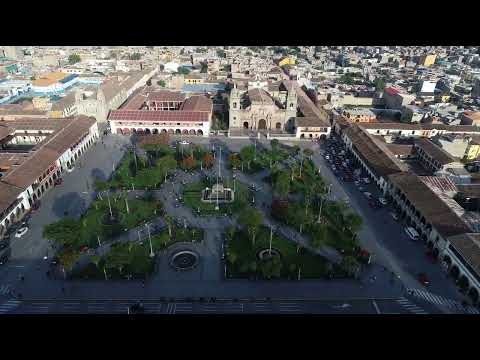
(74, 195)
(227, 306)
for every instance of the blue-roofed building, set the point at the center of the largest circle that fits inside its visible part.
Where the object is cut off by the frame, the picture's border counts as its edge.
(68, 78)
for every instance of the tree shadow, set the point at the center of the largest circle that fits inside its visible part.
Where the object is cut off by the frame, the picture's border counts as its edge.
(69, 205)
(99, 174)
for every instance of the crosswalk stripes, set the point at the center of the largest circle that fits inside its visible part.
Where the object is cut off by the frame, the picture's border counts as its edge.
(5, 289)
(171, 308)
(289, 307)
(440, 300)
(9, 306)
(262, 307)
(407, 304)
(183, 308)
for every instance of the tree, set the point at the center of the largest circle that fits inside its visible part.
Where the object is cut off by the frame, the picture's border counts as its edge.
(68, 258)
(247, 154)
(199, 152)
(189, 163)
(296, 150)
(274, 144)
(161, 83)
(234, 161)
(204, 68)
(271, 267)
(280, 209)
(74, 58)
(350, 265)
(308, 153)
(65, 232)
(353, 222)
(208, 160)
(183, 70)
(232, 256)
(221, 53)
(379, 84)
(282, 184)
(135, 56)
(251, 219)
(95, 260)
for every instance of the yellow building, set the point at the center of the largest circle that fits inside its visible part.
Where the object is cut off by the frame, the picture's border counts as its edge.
(427, 60)
(286, 61)
(473, 150)
(193, 79)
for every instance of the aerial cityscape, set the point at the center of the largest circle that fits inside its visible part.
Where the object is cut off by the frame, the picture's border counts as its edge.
(239, 179)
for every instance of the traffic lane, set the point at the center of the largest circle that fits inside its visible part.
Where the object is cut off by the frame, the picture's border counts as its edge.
(411, 255)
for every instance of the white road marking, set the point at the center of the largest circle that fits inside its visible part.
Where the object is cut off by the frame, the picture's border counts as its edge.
(376, 307)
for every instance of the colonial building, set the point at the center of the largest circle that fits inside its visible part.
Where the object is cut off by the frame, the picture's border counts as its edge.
(48, 148)
(163, 112)
(257, 109)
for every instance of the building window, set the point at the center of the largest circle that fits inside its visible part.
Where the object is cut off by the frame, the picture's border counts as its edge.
(234, 105)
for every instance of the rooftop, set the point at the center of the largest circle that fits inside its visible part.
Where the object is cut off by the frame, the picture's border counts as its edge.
(429, 204)
(434, 151)
(468, 246)
(375, 152)
(150, 116)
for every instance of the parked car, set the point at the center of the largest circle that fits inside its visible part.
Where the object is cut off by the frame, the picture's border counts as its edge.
(70, 169)
(20, 232)
(423, 279)
(58, 181)
(184, 142)
(412, 233)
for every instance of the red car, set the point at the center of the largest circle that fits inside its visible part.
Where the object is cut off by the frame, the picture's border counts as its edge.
(423, 279)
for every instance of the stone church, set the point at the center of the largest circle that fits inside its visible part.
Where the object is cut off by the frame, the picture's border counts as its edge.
(255, 108)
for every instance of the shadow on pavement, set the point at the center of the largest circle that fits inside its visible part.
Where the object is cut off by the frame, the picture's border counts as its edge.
(70, 204)
(98, 174)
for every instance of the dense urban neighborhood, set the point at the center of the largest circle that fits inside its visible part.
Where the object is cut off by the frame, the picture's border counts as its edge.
(230, 179)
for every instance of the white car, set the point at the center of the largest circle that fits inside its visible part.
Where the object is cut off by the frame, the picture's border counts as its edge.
(383, 201)
(20, 232)
(412, 233)
(184, 142)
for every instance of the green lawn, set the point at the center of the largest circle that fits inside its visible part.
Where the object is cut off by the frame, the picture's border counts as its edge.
(143, 175)
(95, 222)
(162, 240)
(192, 194)
(122, 261)
(311, 265)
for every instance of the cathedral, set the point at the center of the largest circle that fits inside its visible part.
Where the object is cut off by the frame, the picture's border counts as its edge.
(263, 107)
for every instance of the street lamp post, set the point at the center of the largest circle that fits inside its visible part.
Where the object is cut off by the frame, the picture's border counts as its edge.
(270, 245)
(99, 243)
(126, 204)
(150, 238)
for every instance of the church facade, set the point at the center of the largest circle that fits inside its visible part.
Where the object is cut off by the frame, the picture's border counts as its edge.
(255, 108)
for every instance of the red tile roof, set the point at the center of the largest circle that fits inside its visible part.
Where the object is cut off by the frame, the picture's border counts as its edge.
(145, 115)
(392, 91)
(197, 103)
(165, 95)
